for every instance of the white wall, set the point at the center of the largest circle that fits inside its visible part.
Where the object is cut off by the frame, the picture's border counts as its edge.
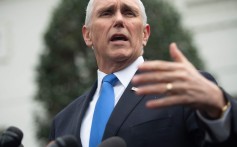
(22, 25)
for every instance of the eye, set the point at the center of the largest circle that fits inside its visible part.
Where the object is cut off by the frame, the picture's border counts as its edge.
(129, 13)
(106, 13)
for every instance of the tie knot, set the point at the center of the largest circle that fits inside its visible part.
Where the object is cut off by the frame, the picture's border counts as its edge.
(111, 78)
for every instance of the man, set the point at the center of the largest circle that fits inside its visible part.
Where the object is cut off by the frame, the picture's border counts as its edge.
(156, 103)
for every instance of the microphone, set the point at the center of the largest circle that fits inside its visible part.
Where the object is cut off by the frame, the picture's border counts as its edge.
(113, 142)
(11, 137)
(65, 141)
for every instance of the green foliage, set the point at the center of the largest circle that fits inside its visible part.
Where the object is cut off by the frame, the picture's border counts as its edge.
(67, 67)
(166, 28)
(64, 65)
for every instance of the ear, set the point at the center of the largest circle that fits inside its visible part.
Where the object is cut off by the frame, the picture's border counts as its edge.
(146, 34)
(87, 36)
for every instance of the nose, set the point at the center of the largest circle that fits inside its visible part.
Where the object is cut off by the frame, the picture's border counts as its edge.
(119, 20)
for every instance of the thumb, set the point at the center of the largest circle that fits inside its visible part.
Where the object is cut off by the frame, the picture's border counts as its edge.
(176, 54)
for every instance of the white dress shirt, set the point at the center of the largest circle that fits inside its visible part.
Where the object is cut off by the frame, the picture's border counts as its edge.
(124, 77)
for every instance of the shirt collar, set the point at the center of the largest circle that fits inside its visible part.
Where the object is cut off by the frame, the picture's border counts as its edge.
(125, 75)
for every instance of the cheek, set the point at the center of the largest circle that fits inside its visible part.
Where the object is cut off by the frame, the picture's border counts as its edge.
(136, 30)
(99, 30)
(137, 36)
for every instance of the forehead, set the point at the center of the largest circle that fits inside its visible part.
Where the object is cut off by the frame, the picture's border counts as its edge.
(99, 4)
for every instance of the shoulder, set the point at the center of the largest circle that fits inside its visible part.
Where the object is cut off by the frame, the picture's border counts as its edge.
(75, 107)
(67, 119)
(72, 107)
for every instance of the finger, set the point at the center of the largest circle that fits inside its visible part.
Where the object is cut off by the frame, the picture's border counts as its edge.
(151, 89)
(176, 54)
(172, 100)
(162, 76)
(159, 65)
(162, 88)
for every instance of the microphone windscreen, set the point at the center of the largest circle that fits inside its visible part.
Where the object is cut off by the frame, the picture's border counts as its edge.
(67, 141)
(17, 132)
(11, 137)
(113, 142)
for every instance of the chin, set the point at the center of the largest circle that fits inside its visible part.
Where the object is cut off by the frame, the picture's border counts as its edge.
(123, 58)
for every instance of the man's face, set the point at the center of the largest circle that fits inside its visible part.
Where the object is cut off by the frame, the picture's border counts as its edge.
(116, 31)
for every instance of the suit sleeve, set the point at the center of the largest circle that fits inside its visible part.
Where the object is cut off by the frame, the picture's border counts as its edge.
(231, 140)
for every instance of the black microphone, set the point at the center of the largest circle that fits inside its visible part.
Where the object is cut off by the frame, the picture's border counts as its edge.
(113, 142)
(11, 137)
(65, 141)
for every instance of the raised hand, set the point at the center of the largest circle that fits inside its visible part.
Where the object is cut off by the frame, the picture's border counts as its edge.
(182, 84)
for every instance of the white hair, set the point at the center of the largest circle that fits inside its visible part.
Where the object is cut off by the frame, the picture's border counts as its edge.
(90, 7)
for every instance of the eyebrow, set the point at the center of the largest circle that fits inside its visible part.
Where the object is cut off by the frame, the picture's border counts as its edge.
(123, 7)
(130, 7)
(110, 7)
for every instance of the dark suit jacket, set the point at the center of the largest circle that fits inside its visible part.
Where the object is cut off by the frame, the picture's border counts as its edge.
(175, 126)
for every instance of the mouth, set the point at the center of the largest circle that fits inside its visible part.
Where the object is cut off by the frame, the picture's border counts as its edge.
(119, 37)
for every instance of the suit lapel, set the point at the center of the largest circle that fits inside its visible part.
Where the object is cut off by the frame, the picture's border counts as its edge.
(121, 111)
(88, 97)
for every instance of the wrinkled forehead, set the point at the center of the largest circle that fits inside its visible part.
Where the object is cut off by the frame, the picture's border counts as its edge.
(100, 4)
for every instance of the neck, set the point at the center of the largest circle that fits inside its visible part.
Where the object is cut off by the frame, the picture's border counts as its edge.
(111, 67)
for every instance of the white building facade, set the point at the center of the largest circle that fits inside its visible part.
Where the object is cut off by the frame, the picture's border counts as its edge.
(23, 24)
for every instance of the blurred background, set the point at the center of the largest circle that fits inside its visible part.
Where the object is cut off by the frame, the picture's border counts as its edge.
(23, 24)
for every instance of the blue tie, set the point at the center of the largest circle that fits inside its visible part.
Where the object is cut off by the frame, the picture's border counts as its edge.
(103, 109)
